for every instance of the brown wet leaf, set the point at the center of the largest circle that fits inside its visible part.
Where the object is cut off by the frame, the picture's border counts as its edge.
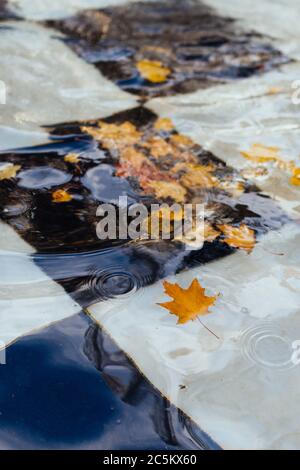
(9, 171)
(239, 237)
(188, 303)
(153, 70)
(61, 196)
(167, 189)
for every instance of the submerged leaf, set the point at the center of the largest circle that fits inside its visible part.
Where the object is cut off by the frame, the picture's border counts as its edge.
(164, 124)
(71, 158)
(113, 135)
(9, 171)
(198, 176)
(188, 303)
(239, 237)
(61, 196)
(167, 189)
(154, 71)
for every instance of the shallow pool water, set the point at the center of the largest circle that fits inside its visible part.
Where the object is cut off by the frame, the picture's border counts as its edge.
(155, 102)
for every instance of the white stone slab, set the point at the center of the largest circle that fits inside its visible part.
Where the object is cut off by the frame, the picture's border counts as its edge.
(47, 83)
(29, 299)
(231, 390)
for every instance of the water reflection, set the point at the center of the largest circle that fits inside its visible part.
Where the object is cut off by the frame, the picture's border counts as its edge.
(207, 48)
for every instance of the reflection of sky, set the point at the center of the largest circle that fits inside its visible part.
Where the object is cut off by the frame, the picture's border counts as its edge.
(52, 396)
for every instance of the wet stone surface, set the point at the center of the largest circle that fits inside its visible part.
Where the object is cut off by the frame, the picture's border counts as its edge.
(162, 48)
(50, 195)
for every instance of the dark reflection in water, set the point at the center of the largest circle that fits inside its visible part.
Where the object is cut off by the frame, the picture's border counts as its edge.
(5, 13)
(197, 46)
(91, 163)
(53, 397)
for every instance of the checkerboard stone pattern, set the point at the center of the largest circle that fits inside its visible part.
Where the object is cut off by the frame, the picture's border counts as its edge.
(196, 48)
(128, 154)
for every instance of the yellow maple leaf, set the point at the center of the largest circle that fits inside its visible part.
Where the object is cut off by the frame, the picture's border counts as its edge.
(153, 70)
(71, 158)
(113, 135)
(9, 171)
(61, 196)
(239, 237)
(164, 124)
(295, 179)
(167, 189)
(188, 303)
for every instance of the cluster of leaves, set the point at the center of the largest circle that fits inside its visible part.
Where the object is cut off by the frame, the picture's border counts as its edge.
(260, 154)
(165, 165)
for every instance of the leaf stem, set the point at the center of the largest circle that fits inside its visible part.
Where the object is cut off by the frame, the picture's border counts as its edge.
(208, 328)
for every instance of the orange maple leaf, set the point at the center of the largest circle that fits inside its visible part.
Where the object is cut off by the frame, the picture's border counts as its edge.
(239, 237)
(188, 303)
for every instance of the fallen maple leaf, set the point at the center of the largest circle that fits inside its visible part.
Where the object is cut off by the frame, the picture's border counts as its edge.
(113, 135)
(61, 196)
(239, 237)
(9, 171)
(188, 303)
(154, 71)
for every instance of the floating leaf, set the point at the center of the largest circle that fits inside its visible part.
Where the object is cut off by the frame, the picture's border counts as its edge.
(9, 171)
(239, 237)
(71, 158)
(61, 196)
(295, 179)
(188, 303)
(167, 189)
(154, 71)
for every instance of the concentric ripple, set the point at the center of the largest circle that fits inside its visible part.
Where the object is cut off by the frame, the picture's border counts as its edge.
(267, 345)
(113, 283)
